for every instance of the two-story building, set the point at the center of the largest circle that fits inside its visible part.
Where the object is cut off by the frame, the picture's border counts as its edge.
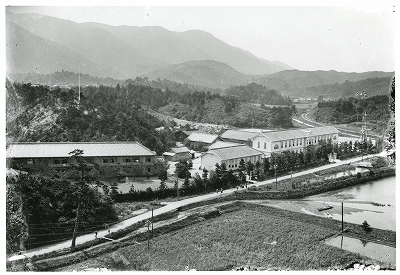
(119, 157)
(295, 140)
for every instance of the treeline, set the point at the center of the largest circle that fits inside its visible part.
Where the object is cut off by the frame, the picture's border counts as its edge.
(344, 111)
(228, 111)
(41, 210)
(107, 113)
(256, 93)
(221, 178)
(103, 114)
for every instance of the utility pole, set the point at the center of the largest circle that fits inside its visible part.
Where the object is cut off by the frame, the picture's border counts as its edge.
(77, 154)
(148, 233)
(342, 217)
(79, 86)
(152, 220)
(363, 95)
(276, 179)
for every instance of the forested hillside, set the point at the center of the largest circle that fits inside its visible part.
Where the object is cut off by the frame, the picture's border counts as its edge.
(235, 113)
(256, 93)
(372, 86)
(65, 78)
(330, 84)
(115, 113)
(104, 114)
(351, 111)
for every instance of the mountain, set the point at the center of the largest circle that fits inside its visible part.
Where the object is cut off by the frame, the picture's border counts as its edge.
(27, 52)
(118, 58)
(299, 83)
(129, 51)
(206, 73)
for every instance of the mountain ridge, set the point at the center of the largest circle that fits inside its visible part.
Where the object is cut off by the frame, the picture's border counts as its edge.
(129, 51)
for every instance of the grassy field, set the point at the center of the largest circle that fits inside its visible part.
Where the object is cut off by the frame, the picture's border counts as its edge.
(260, 237)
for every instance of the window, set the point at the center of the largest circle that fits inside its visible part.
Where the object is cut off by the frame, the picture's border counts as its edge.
(57, 161)
(334, 137)
(301, 141)
(65, 161)
(276, 146)
(265, 145)
(285, 144)
(281, 144)
(148, 159)
(236, 165)
(127, 160)
(258, 145)
(148, 169)
(105, 160)
(29, 161)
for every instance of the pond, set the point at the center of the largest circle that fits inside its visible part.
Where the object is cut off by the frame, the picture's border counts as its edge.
(372, 250)
(374, 202)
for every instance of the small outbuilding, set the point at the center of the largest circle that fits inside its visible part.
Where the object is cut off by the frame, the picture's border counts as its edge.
(178, 154)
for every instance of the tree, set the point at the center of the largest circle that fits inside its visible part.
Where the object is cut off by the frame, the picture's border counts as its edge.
(82, 187)
(186, 187)
(198, 183)
(249, 168)
(266, 165)
(182, 169)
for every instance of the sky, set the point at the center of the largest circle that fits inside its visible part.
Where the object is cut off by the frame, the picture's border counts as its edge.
(349, 36)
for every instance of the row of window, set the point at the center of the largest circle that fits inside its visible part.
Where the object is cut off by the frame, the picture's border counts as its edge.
(104, 160)
(298, 142)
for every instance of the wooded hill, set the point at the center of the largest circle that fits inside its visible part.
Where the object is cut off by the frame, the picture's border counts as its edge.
(330, 84)
(256, 93)
(345, 111)
(115, 113)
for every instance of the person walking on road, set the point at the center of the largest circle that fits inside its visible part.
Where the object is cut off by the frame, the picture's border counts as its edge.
(95, 234)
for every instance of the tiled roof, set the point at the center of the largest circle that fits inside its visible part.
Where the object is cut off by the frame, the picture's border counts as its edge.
(182, 149)
(239, 135)
(234, 152)
(202, 137)
(90, 149)
(224, 144)
(300, 133)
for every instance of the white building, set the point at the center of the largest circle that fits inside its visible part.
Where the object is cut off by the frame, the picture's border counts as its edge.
(295, 140)
(231, 156)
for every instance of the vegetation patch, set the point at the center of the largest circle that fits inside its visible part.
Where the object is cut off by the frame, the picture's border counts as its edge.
(258, 236)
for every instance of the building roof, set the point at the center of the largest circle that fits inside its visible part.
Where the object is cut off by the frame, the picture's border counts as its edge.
(202, 137)
(182, 149)
(224, 144)
(90, 149)
(234, 152)
(300, 133)
(169, 154)
(239, 135)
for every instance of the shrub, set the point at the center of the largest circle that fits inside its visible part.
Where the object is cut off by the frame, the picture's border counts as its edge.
(366, 226)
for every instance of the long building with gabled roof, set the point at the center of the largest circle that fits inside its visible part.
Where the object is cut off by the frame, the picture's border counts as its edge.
(105, 154)
(295, 140)
(231, 156)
